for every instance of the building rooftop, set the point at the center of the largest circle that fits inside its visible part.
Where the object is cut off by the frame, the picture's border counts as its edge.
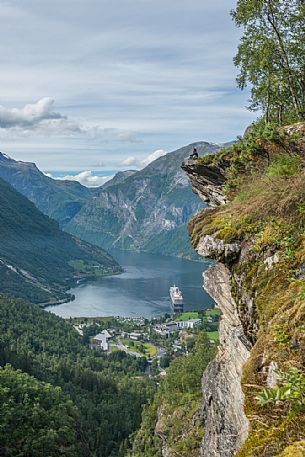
(101, 336)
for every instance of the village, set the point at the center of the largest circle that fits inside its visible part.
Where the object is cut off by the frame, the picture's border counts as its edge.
(157, 341)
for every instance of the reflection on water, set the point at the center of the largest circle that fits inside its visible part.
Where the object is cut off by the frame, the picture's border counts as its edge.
(142, 290)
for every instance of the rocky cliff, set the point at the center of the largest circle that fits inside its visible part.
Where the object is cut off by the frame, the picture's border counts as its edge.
(222, 412)
(254, 230)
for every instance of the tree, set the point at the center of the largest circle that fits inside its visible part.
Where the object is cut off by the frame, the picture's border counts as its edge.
(271, 56)
(165, 360)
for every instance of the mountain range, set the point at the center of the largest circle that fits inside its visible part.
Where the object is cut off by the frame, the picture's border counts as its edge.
(58, 199)
(146, 211)
(136, 210)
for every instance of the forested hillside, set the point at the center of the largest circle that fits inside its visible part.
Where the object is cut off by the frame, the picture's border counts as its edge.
(37, 260)
(92, 401)
(37, 418)
(171, 422)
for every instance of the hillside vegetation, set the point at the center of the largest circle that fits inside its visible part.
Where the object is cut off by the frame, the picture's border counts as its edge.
(265, 214)
(68, 400)
(172, 420)
(37, 260)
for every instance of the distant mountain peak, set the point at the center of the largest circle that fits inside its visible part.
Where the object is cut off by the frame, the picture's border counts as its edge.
(5, 156)
(118, 178)
(59, 199)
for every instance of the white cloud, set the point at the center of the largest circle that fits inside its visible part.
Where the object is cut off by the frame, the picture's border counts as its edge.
(39, 119)
(86, 178)
(132, 161)
(117, 64)
(153, 156)
(30, 115)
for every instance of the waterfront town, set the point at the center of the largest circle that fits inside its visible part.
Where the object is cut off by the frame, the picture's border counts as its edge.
(157, 341)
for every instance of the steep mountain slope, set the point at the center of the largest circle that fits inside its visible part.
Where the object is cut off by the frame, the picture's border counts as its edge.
(37, 259)
(253, 392)
(60, 200)
(119, 178)
(147, 211)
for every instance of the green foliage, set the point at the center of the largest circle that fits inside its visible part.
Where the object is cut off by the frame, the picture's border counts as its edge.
(36, 418)
(291, 392)
(107, 390)
(280, 336)
(50, 258)
(165, 361)
(284, 166)
(178, 400)
(265, 214)
(271, 57)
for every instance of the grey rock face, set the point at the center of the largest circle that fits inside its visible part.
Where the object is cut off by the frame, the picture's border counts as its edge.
(210, 246)
(207, 181)
(224, 420)
(270, 261)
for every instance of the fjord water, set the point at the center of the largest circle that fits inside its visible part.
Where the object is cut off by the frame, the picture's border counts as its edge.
(142, 290)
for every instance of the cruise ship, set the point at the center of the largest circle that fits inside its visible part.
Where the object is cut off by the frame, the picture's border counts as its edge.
(177, 299)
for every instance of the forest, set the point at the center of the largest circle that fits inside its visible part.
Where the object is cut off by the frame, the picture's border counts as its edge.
(89, 402)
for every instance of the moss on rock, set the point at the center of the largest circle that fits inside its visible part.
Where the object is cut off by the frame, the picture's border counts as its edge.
(266, 214)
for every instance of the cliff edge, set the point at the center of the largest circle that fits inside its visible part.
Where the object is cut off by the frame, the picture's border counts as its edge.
(253, 392)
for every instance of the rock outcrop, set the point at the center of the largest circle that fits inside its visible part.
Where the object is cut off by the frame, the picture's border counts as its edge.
(222, 413)
(207, 181)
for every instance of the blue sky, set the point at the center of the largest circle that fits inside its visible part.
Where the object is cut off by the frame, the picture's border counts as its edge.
(104, 84)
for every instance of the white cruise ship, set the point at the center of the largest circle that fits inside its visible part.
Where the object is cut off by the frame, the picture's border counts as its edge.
(177, 298)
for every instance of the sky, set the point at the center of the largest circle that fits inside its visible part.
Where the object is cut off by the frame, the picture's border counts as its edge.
(92, 87)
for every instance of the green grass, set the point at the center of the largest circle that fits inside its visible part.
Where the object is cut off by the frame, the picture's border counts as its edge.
(265, 213)
(213, 335)
(151, 350)
(135, 346)
(86, 267)
(187, 315)
(212, 312)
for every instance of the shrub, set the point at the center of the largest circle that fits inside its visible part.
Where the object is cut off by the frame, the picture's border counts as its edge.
(284, 166)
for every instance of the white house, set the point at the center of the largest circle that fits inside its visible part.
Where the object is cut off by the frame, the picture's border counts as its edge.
(189, 324)
(101, 340)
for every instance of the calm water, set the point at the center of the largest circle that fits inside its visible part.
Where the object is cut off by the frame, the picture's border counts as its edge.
(142, 290)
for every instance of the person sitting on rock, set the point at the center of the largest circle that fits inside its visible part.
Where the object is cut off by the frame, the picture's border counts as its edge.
(194, 154)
